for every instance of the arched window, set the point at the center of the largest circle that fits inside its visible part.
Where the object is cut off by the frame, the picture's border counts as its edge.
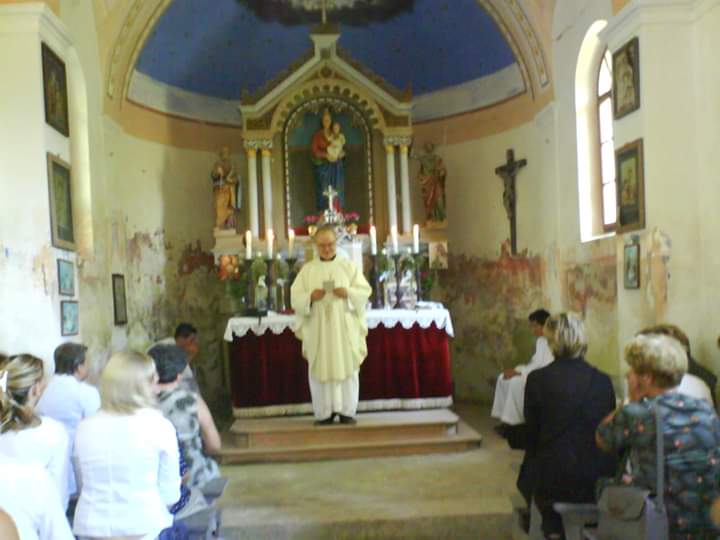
(606, 146)
(595, 152)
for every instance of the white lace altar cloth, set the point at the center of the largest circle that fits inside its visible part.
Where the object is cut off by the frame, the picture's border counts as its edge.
(389, 318)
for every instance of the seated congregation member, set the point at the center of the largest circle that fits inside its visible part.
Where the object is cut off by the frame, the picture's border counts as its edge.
(510, 386)
(8, 531)
(564, 403)
(29, 496)
(195, 427)
(67, 398)
(186, 337)
(126, 456)
(24, 434)
(698, 382)
(691, 435)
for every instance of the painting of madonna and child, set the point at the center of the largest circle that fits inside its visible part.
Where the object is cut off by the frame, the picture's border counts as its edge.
(327, 148)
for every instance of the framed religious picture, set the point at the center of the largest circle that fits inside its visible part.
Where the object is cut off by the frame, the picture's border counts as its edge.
(69, 318)
(66, 277)
(631, 266)
(55, 91)
(630, 187)
(119, 299)
(61, 215)
(626, 79)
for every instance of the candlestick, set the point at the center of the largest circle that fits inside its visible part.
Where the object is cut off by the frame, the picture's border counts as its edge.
(373, 240)
(291, 242)
(377, 302)
(394, 237)
(248, 245)
(269, 237)
(416, 238)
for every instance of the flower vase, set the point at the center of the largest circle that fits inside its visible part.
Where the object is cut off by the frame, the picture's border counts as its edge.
(352, 229)
(312, 229)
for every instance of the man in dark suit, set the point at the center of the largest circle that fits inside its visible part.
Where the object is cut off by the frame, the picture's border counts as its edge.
(564, 403)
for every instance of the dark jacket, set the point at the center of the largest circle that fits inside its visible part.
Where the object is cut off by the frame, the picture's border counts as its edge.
(564, 403)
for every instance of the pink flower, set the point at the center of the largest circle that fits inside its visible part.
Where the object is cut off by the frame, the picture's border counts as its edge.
(311, 219)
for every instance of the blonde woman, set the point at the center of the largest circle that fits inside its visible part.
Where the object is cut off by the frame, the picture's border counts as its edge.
(691, 435)
(564, 403)
(127, 457)
(25, 435)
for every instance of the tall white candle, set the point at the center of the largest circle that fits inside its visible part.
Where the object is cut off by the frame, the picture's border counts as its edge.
(291, 242)
(248, 244)
(373, 240)
(270, 238)
(394, 237)
(416, 238)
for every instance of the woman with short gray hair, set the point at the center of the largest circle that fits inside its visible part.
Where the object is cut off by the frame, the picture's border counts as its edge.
(690, 428)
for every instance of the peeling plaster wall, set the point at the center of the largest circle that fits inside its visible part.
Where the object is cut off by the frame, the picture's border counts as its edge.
(161, 239)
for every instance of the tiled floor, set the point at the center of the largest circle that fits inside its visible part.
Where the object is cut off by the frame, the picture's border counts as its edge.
(461, 495)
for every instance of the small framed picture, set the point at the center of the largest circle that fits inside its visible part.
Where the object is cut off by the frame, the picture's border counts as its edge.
(631, 266)
(69, 318)
(55, 91)
(119, 300)
(630, 187)
(626, 79)
(61, 214)
(66, 277)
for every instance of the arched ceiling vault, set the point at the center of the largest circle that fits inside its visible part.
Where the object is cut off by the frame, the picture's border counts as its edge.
(142, 16)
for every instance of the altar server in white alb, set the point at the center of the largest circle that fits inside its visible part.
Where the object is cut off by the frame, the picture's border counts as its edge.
(510, 387)
(329, 297)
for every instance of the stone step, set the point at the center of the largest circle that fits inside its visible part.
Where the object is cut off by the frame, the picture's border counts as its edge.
(374, 427)
(376, 434)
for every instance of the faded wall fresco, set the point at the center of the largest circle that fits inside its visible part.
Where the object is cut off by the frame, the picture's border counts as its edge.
(166, 285)
(490, 299)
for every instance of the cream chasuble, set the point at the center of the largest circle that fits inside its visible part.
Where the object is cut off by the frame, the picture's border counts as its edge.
(332, 330)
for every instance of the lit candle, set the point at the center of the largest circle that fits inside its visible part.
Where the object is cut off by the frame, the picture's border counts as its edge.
(291, 242)
(373, 240)
(248, 245)
(394, 236)
(270, 237)
(416, 238)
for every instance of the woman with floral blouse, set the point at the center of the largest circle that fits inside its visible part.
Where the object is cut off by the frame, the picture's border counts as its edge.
(691, 435)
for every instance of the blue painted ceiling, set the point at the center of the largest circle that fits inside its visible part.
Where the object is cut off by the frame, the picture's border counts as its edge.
(221, 47)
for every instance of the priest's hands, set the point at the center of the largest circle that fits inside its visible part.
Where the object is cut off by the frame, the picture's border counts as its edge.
(510, 373)
(340, 292)
(317, 294)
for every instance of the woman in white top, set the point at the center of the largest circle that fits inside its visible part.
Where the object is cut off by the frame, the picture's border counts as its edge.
(126, 456)
(28, 494)
(24, 434)
(67, 398)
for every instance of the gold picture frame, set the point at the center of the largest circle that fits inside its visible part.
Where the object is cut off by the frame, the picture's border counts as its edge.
(61, 209)
(55, 91)
(630, 187)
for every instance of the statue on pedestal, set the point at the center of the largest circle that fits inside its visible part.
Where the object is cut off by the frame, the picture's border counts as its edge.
(432, 181)
(225, 190)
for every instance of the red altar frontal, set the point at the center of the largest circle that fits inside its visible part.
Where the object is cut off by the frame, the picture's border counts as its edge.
(408, 363)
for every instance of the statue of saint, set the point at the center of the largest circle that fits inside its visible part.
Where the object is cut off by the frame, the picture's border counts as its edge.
(328, 153)
(432, 181)
(225, 190)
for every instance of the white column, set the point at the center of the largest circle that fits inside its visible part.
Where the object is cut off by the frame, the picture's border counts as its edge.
(391, 190)
(252, 191)
(267, 188)
(405, 190)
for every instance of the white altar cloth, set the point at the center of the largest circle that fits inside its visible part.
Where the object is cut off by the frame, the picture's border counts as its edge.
(389, 318)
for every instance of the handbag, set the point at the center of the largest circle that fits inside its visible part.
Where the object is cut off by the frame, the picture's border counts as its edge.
(634, 513)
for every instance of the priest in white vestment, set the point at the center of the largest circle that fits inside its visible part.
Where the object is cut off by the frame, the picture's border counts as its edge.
(329, 296)
(510, 387)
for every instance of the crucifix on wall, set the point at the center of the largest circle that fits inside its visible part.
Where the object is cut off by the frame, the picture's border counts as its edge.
(508, 173)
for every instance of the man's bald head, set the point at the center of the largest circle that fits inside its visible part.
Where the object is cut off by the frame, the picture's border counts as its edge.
(8, 531)
(326, 242)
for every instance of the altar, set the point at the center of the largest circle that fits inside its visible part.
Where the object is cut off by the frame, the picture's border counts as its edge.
(407, 367)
